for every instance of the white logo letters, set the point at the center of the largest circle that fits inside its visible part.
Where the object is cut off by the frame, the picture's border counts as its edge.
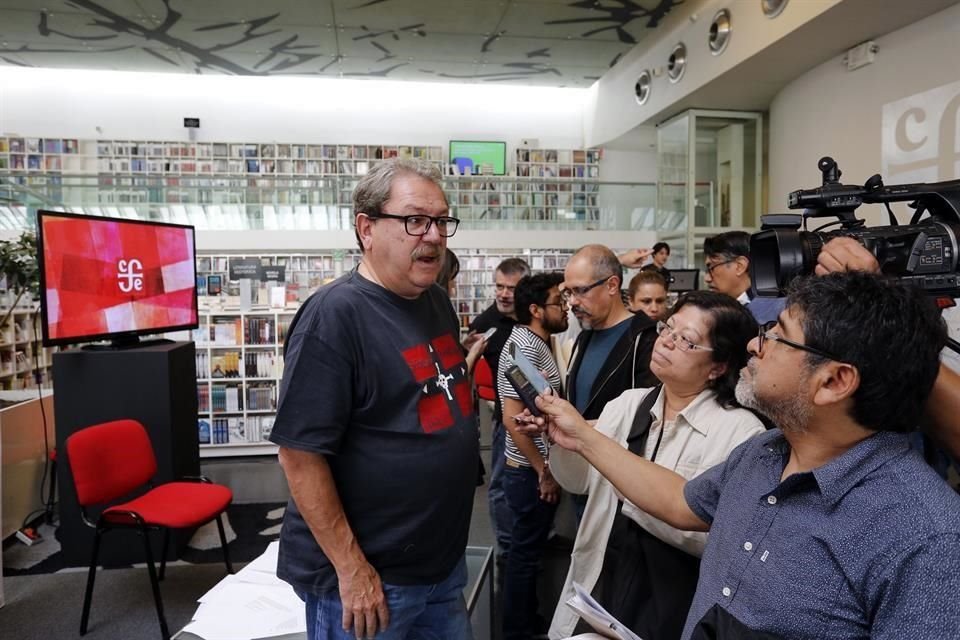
(130, 275)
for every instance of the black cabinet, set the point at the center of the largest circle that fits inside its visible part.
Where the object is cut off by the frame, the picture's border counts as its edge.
(155, 385)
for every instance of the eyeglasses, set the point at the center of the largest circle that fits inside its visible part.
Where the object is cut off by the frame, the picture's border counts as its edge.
(711, 267)
(419, 225)
(766, 335)
(562, 305)
(569, 292)
(682, 343)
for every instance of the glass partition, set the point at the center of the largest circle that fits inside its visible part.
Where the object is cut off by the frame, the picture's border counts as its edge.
(483, 203)
(710, 176)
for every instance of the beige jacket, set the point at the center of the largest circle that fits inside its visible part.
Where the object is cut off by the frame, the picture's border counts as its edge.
(703, 434)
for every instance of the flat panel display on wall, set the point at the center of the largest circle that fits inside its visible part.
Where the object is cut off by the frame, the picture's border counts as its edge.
(472, 157)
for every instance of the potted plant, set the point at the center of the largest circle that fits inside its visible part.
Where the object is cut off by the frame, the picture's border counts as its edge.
(19, 268)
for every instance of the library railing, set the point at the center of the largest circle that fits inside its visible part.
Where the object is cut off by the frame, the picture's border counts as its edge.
(310, 202)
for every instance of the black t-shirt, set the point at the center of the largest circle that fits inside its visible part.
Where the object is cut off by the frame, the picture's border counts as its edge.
(663, 271)
(491, 317)
(378, 385)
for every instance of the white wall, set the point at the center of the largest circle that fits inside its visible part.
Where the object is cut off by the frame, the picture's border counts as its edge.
(840, 113)
(612, 108)
(116, 105)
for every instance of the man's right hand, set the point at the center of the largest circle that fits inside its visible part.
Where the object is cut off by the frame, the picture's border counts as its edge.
(845, 254)
(564, 422)
(364, 605)
(634, 257)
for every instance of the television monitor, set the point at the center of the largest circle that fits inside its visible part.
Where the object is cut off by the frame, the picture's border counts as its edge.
(684, 280)
(475, 157)
(114, 279)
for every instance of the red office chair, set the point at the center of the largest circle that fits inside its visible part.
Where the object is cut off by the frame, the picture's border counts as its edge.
(110, 461)
(483, 377)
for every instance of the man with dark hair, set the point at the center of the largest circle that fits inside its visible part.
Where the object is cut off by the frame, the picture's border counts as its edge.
(502, 316)
(530, 489)
(727, 263)
(830, 526)
(375, 423)
(660, 255)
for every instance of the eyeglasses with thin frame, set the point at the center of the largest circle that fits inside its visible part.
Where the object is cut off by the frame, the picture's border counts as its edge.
(711, 267)
(682, 342)
(563, 304)
(765, 335)
(579, 292)
(419, 224)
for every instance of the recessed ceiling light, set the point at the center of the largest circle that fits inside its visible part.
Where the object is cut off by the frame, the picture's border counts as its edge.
(772, 8)
(677, 62)
(720, 31)
(642, 88)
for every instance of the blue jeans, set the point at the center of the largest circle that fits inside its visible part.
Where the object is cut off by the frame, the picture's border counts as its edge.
(501, 518)
(531, 525)
(417, 612)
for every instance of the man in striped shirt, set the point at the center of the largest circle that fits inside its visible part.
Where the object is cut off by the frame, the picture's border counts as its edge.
(531, 491)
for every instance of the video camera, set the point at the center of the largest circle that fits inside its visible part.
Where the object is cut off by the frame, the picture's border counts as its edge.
(924, 253)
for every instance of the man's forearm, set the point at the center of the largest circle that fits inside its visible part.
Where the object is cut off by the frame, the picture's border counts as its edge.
(654, 489)
(524, 443)
(315, 494)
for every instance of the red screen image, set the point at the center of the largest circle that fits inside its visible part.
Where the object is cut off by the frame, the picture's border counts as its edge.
(104, 276)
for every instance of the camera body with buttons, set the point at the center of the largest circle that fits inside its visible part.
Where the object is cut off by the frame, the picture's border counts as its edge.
(924, 252)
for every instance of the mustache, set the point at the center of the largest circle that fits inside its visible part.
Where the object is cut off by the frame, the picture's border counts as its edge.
(425, 251)
(580, 310)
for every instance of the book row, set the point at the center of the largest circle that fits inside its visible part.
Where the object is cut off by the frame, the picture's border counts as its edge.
(235, 429)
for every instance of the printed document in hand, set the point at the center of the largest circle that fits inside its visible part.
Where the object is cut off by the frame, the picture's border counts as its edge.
(597, 617)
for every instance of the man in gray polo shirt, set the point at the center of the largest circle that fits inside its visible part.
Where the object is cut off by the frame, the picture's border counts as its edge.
(830, 526)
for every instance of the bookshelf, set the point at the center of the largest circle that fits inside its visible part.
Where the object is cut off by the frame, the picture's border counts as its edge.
(553, 185)
(240, 353)
(22, 354)
(558, 163)
(488, 201)
(475, 289)
(239, 365)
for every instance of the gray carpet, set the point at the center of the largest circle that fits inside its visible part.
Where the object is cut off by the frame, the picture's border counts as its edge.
(48, 607)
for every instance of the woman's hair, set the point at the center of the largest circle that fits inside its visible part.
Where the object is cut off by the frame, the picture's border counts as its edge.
(645, 277)
(449, 270)
(732, 327)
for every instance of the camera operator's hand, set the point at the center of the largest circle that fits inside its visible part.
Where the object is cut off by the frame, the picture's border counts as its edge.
(845, 254)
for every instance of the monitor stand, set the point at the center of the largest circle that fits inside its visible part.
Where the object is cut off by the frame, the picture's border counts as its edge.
(121, 343)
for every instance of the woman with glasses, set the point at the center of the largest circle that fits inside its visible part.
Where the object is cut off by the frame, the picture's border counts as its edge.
(641, 570)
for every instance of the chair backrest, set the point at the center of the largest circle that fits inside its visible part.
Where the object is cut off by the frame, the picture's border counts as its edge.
(110, 460)
(483, 377)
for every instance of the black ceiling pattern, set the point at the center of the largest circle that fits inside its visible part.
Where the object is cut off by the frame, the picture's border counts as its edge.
(532, 42)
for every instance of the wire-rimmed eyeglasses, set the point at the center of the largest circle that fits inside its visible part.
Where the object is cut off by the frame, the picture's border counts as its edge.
(569, 292)
(765, 335)
(711, 267)
(682, 342)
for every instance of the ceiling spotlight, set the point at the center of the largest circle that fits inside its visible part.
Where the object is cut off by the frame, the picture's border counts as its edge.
(772, 8)
(642, 88)
(719, 32)
(677, 62)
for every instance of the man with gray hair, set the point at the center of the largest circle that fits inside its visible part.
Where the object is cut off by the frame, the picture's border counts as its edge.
(376, 428)
(612, 353)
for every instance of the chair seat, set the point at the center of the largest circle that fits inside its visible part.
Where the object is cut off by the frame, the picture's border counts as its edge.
(177, 505)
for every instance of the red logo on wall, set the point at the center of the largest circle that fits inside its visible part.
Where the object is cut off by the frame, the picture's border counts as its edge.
(439, 368)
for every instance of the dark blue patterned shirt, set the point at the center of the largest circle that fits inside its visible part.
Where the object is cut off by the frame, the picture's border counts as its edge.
(866, 546)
